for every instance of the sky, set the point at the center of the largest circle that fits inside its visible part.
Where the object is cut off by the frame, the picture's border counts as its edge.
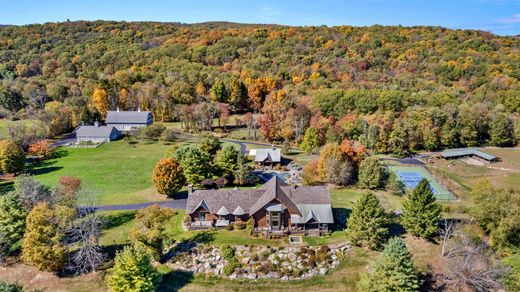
(501, 17)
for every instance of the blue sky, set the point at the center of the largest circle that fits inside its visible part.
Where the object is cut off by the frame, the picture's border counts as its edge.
(498, 16)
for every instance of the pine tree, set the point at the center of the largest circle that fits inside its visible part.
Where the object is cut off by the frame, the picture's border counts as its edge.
(133, 272)
(421, 212)
(372, 174)
(393, 270)
(367, 223)
(12, 223)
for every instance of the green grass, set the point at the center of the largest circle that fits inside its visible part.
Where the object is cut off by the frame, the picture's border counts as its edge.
(113, 173)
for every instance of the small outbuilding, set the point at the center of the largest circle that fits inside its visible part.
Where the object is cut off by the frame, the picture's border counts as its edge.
(266, 155)
(97, 134)
(127, 120)
(468, 153)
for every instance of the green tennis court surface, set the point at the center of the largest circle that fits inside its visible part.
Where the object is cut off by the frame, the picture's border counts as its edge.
(411, 175)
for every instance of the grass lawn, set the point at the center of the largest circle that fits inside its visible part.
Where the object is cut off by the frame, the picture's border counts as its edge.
(113, 173)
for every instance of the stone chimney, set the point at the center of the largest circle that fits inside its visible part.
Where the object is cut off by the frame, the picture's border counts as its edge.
(190, 189)
(96, 123)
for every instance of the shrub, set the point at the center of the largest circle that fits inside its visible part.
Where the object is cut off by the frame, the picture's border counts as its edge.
(221, 182)
(240, 225)
(208, 184)
(10, 287)
(152, 132)
(230, 227)
(231, 267)
(250, 225)
(133, 271)
(168, 135)
(227, 252)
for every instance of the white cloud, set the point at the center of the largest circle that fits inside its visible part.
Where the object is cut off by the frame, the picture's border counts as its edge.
(511, 19)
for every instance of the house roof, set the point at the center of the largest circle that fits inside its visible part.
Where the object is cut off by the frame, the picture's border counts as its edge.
(95, 131)
(266, 154)
(128, 117)
(274, 194)
(222, 211)
(466, 152)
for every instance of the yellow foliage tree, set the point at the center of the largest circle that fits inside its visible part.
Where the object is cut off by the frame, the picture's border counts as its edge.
(99, 100)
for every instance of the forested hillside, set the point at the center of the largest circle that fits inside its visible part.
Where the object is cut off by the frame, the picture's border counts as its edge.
(395, 89)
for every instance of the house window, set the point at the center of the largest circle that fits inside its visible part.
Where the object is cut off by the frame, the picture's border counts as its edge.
(274, 218)
(202, 216)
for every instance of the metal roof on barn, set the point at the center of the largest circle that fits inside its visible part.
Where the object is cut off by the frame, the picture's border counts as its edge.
(128, 117)
(453, 153)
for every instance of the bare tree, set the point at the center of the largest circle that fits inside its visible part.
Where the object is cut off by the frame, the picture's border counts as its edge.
(84, 234)
(31, 191)
(447, 230)
(470, 268)
(339, 171)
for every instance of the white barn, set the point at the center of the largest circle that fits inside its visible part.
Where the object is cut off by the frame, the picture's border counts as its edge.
(126, 120)
(97, 134)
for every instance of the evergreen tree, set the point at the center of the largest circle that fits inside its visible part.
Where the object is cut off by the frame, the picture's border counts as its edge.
(367, 222)
(395, 185)
(421, 212)
(195, 164)
(133, 272)
(243, 171)
(12, 223)
(227, 159)
(372, 173)
(311, 141)
(42, 242)
(210, 145)
(393, 270)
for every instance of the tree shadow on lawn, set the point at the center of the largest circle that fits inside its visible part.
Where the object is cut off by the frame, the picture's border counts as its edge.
(340, 218)
(117, 219)
(7, 186)
(38, 167)
(175, 280)
(394, 227)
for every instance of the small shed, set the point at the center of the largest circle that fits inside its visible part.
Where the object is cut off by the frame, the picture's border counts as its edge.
(266, 155)
(97, 134)
(468, 153)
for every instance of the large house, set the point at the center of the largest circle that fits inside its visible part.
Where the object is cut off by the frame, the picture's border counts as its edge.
(126, 120)
(97, 134)
(276, 208)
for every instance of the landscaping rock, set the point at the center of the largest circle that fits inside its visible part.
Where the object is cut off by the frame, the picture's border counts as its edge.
(251, 276)
(323, 271)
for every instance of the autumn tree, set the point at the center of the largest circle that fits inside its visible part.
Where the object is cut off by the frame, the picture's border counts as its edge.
(133, 272)
(367, 223)
(258, 89)
(42, 244)
(168, 176)
(219, 92)
(210, 145)
(99, 101)
(421, 213)
(12, 158)
(501, 131)
(393, 270)
(67, 191)
(238, 95)
(42, 148)
(148, 232)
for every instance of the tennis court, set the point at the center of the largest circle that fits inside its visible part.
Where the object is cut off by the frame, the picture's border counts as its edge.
(412, 175)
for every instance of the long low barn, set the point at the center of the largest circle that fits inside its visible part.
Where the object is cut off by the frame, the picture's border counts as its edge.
(126, 120)
(468, 153)
(97, 134)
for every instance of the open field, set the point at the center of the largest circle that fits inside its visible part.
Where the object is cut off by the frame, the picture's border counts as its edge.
(113, 173)
(4, 124)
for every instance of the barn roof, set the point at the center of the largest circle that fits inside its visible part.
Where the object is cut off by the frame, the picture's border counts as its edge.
(127, 117)
(95, 131)
(453, 153)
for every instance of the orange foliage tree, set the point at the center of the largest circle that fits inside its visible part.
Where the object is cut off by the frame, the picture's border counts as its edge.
(168, 176)
(41, 148)
(99, 100)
